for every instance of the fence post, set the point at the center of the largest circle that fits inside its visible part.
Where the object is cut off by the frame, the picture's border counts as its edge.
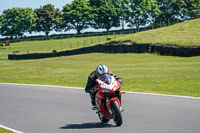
(61, 43)
(99, 39)
(28, 51)
(4, 56)
(91, 40)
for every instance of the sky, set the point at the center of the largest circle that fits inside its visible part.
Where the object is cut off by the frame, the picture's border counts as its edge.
(6, 4)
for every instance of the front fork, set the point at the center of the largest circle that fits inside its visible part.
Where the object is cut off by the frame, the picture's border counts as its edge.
(108, 106)
(108, 101)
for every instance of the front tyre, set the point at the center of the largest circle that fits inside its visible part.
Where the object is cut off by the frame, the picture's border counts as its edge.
(117, 115)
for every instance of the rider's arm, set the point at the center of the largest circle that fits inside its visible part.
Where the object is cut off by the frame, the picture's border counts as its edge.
(90, 82)
(116, 77)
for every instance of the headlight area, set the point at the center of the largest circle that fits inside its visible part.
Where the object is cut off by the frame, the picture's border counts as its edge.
(105, 90)
(116, 87)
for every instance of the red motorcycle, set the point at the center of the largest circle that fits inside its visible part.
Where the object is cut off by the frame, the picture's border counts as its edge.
(108, 99)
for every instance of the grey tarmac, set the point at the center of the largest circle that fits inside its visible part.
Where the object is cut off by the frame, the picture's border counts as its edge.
(45, 109)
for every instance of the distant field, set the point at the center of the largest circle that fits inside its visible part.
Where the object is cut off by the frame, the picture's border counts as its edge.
(185, 34)
(141, 72)
(57, 44)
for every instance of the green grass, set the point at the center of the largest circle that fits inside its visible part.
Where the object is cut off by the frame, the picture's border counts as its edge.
(54, 44)
(184, 34)
(4, 131)
(141, 72)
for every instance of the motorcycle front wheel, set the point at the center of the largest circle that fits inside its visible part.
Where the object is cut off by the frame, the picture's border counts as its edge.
(117, 115)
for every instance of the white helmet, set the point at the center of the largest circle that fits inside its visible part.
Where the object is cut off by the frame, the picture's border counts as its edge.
(101, 69)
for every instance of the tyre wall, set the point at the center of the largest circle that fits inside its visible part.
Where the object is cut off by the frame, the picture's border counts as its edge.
(169, 50)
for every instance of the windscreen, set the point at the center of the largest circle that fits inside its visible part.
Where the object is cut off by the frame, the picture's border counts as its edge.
(106, 78)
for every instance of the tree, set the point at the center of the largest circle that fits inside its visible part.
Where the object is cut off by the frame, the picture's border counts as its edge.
(49, 19)
(77, 15)
(0, 23)
(107, 13)
(169, 9)
(16, 21)
(190, 9)
(142, 12)
(173, 11)
(124, 10)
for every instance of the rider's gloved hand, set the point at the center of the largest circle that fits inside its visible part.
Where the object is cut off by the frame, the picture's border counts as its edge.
(120, 81)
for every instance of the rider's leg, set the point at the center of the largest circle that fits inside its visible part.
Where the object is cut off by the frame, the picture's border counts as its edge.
(92, 96)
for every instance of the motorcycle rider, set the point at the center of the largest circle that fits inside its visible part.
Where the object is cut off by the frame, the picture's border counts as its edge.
(91, 82)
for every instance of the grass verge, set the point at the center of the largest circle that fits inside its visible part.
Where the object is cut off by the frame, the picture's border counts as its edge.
(141, 72)
(4, 131)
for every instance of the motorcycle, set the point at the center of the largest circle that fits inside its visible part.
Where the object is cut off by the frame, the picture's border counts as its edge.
(108, 99)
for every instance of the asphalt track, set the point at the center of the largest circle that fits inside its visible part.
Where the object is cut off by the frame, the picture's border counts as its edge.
(43, 109)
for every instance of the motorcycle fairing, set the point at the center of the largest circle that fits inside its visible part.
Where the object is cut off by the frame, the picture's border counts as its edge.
(108, 84)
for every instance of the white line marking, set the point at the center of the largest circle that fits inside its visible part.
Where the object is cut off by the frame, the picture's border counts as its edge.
(154, 94)
(50, 86)
(10, 129)
(141, 93)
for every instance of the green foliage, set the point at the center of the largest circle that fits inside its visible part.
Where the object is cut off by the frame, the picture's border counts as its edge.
(191, 8)
(0, 23)
(107, 13)
(142, 12)
(49, 18)
(173, 11)
(124, 5)
(16, 21)
(77, 15)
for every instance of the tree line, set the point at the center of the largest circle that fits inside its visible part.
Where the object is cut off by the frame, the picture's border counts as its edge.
(82, 14)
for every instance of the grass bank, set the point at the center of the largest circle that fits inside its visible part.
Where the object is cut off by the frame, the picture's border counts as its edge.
(45, 46)
(141, 72)
(184, 34)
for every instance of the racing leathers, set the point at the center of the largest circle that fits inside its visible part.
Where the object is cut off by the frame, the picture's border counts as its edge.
(91, 83)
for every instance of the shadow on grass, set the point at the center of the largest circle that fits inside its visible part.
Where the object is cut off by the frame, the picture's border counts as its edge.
(87, 126)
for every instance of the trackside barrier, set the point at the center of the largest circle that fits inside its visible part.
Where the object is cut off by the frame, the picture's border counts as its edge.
(126, 47)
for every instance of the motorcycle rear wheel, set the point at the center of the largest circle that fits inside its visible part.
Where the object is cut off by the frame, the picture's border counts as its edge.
(102, 118)
(117, 115)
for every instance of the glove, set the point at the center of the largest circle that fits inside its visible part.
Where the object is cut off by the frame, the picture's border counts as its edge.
(120, 81)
